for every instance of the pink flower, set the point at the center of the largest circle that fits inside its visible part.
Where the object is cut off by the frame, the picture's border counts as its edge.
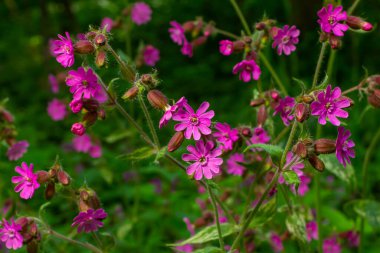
(285, 108)
(330, 245)
(276, 243)
(303, 187)
(53, 83)
(171, 110)
(17, 150)
(189, 226)
(56, 110)
(331, 20)
(344, 146)
(247, 69)
(83, 84)
(26, 182)
(89, 221)
(95, 151)
(10, 234)
(195, 123)
(226, 47)
(187, 248)
(286, 39)
(234, 166)
(108, 23)
(151, 55)
(177, 33)
(78, 129)
(205, 160)
(225, 135)
(329, 105)
(141, 13)
(63, 50)
(312, 230)
(187, 49)
(352, 237)
(76, 105)
(82, 143)
(259, 135)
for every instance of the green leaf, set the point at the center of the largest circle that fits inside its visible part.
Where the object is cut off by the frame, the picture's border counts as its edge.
(368, 209)
(291, 177)
(123, 230)
(301, 84)
(297, 226)
(345, 174)
(324, 83)
(118, 135)
(270, 149)
(208, 234)
(140, 154)
(160, 154)
(264, 214)
(209, 250)
(338, 220)
(107, 175)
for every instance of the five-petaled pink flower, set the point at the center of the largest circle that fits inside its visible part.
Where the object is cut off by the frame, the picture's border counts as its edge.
(286, 39)
(83, 84)
(329, 105)
(312, 230)
(226, 47)
(194, 123)
(332, 20)
(151, 55)
(26, 182)
(248, 69)
(276, 242)
(63, 50)
(53, 83)
(331, 245)
(259, 135)
(107, 23)
(10, 234)
(171, 110)
(187, 49)
(234, 166)
(225, 135)
(17, 150)
(177, 33)
(344, 146)
(284, 108)
(89, 221)
(56, 110)
(141, 13)
(205, 158)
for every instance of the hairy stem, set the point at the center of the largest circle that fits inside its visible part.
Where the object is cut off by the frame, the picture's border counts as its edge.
(226, 33)
(286, 197)
(319, 64)
(353, 7)
(150, 122)
(75, 242)
(273, 73)
(127, 71)
(216, 213)
(241, 17)
(330, 63)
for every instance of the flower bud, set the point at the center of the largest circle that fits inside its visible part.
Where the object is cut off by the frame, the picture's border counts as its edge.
(261, 115)
(302, 112)
(238, 46)
(100, 40)
(43, 176)
(84, 47)
(316, 163)
(148, 80)
(335, 41)
(157, 99)
(257, 102)
(324, 146)
(91, 105)
(358, 23)
(245, 131)
(7, 116)
(131, 93)
(100, 59)
(303, 148)
(307, 99)
(199, 41)
(260, 26)
(78, 129)
(374, 98)
(88, 200)
(101, 114)
(209, 29)
(188, 26)
(76, 106)
(63, 178)
(50, 190)
(176, 141)
(90, 118)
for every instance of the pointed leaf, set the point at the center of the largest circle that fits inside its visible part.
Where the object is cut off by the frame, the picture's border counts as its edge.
(270, 149)
(345, 174)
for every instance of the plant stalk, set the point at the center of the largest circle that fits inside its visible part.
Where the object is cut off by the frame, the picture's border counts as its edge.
(319, 64)
(216, 213)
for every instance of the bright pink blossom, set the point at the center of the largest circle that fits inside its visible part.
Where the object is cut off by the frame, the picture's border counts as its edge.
(226, 47)
(329, 105)
(63, 50)
(82, 143)
(248, 69)
(17, 150)
(187, 49)
(10, 234)
(177, 33)
(286, 39)
(26, 182)
(234, 166)
(225, 135)
(53, 83)
(205, 158)
(285, 108)
(89, 221)
(303, 187)
(78, 129)
(95, 151)
(141, 13)
(312, 230)
(56, 110)
(76, 105)
(83, 83)
(108, 23)
(194, 123)
(332, 20)
(331, 245)
(259, 135)
(344, 146)
(171, 110)
(189, 226)
(276, 243)
(151, 55)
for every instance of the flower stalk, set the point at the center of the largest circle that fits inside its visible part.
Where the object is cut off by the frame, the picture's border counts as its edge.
(216, 214)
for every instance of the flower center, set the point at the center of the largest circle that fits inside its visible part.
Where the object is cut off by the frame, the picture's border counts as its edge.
(329, 107)
(194, 120)
(285, 39)
(67, 49)
(332, 20)
(248, 68)
(203, 160)
(85, 82)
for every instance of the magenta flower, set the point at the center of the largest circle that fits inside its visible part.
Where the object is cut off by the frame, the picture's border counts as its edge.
(83, 84)
(303, 187)
(151, 55)
(330, 245)
(248, 69)
(329, 105)
(187, 49)
(17, 150)
(53, 83)
(89, 221)
(171, 110)
(56, 110)
(141, 13)
(78, 129)
(331, 20)
(344, 146)
(189, 226)
(286, 39)
(285, 108)
(312, 230)
(259, 135)
(234, 166)
(177, 33)
(225, 135)
(63, 50)
(226, 47)
(26, 182)
(95, 151)
(276, 243)
(10, 234)
(82, 143)
(194, 123)
(187, 248)
(107, 23)
(352, 237)
(205, 160)
(76, 105)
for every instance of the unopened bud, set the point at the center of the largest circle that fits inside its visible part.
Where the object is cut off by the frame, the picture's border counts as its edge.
(49, 190)
(335, 41)
(7, 116)
(307, 99)
(188, 26)
(63, 178)
(246, 132)
(199, 41)
(100, 59)
(209, 29)
(100, 39)
(302, 112)
(42, 176)
(238, 46)
(324, 146)
(148, 80)
(302, 148)
(88, 200)
(257, 102)
(84, 47)
(90, 118)
(157, 99)
(358, 23)
(260, 26)
(316, 163)
(261, 115)
(176, 141)
(374, 98)
(78, 129)
(131, 93)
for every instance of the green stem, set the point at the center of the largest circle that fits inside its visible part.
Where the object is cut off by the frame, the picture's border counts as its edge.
(150, 122)
(273, 73)
(241, 16)
(330, 63)
(212, 197)
(127, 71)
(97, 239)
(288, 144)
(226, 33)
(286, 197)
(72, 241)
(353, 7)
(319, 64)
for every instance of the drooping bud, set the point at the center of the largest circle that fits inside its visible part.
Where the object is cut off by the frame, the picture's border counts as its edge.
(238, 46)
(358, 23)
(261, 115)
(100, 59)
(148, 80)
(63, 178)
(257, 102)
(43, 176)
(374, 98)
(84, 47)
(89, 118)
(6, 115)
(335, 41)
(78, 129)
(157, 99)
(245, 131)
(176, 141)
(302, 112)
(303, 148)
(324, 146)
(100, 40)
(199, 41)
(91, 105)
(307, 99)
(316, 163)
(49, 190)
(131, 93)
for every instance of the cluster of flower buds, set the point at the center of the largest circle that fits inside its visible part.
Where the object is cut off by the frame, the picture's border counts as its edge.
(373, 90)
(307, 149)
(270, 97)
(227, 47)
(87, 199)
(30, 234)
(357, 23)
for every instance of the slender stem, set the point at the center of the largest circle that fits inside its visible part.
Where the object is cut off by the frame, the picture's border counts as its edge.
(241, 16)
(248, 204)
(97, 239)
(330, 63)
(366, 162)
(72, 241)
(280, 135)
(353, 7)
(225, 210)
(357, 87)
(288, 144)
(150, 122)
(226, 33)
(319, 64)
(216, 213)
(286, 197)
(273, 73)
(127, 71)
